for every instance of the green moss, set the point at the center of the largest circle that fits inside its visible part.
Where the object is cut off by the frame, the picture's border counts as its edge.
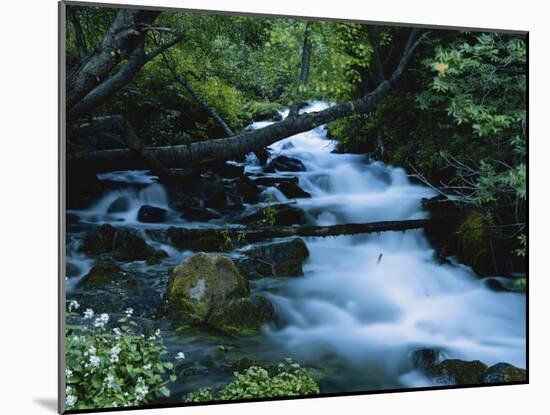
(459, 372)
(520, 284)
(243, 317)
(102, 274)
(474, 243)
(201, 282)
(514, 374)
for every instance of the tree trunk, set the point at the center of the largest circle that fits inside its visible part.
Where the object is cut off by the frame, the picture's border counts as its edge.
(186, 237)
(181, 156)
(117, 44)
(80, 40)
(304, 70)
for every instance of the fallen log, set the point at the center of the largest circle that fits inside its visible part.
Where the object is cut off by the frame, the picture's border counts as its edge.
(219, 238)
(229, 148)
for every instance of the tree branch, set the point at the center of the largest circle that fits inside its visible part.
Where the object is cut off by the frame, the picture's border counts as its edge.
(183, 81)
(250, 141)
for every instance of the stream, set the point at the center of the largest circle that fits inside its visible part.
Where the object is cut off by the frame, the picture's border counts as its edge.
(365, 302)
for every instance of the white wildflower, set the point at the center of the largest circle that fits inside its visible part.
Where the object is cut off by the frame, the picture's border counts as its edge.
(147, 366)
(92, 350)
(101, 320)
(68, 373)
(88, 313)
(180, 356)
(109, 381)
(114, 353)
(70, 400)
(141, 390)
(94, 361)
(129, 312)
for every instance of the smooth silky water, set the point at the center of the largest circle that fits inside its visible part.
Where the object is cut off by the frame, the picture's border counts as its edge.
(365, 302)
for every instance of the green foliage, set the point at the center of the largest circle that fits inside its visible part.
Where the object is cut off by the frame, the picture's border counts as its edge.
(112, 366)
(289, 379)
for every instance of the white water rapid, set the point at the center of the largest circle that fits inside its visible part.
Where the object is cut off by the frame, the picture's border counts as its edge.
(372, 299)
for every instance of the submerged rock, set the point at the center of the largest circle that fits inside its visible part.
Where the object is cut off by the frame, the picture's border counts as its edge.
(243, 316)
(122, 244)
(247, 189)
(276, 214)
(285, 163)
(225, 169)
(292, 190)
(282, 259)
(503, 373)
(102, 274)
(151, 214)
(459, 372)
(157, 257)
(121, 204)
(199, 214)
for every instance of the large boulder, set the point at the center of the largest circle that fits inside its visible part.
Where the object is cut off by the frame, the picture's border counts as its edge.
(207, 290)
(151, 214)
(459, 372)
(282, 259)
(122, 244)
(202, 282)
(242, 317)
(285, 163)
(504, 373)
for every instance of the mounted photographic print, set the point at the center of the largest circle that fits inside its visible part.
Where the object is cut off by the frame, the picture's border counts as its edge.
(264, 207)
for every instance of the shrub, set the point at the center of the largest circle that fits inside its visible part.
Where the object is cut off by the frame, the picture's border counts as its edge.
(112, 367)
(289, 379)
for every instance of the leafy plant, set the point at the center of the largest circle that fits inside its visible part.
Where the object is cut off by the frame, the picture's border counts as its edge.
(112, 366)
(289, 379)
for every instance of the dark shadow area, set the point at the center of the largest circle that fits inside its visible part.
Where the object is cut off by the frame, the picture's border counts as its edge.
(48, 403)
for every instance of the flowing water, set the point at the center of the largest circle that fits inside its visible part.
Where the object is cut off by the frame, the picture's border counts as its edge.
(366, 301)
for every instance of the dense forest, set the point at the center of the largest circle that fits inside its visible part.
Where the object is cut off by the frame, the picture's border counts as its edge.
(182, 168)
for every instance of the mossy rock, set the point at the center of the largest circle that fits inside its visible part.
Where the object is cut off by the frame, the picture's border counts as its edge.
(459, 372)
(474, 244)
(276, 214)
(202, 282)
(283, 259)
(101, 275)
(242, 317)
(504, 373)
(122, 244)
